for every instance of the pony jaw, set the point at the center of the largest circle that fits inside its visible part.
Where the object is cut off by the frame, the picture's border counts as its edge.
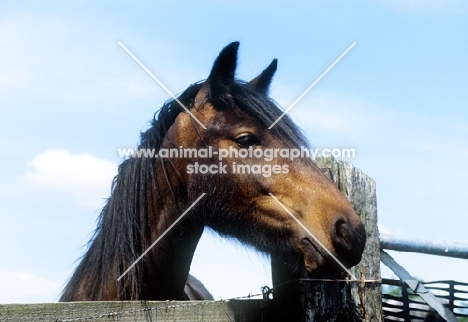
(314, 258)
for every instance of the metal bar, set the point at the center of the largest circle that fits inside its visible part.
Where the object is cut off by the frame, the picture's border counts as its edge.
(417, 287)
(432, 247)
(405, 298)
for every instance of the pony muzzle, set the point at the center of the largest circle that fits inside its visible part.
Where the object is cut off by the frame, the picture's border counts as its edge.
(349, 240)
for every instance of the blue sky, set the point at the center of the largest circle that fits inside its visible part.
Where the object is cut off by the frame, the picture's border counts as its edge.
(71, 96)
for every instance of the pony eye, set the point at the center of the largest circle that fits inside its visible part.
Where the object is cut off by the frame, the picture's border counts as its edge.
(248, 140)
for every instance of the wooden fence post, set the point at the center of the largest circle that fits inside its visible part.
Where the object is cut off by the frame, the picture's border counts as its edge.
(337, 301)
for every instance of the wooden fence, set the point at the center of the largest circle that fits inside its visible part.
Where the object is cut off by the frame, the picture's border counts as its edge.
(315, 301)
(135, 311)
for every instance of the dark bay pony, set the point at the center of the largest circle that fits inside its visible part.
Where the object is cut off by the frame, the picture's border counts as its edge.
(149, 194)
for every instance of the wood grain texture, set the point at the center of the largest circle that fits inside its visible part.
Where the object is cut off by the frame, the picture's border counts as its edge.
(361, 191)
(197, 311)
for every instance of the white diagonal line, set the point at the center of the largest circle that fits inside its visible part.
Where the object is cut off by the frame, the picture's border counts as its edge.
(160, 237)
(315, 238)
(313, 84)
(161, 84)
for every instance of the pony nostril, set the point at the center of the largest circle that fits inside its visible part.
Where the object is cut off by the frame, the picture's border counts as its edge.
(348, 240)
(343, 235)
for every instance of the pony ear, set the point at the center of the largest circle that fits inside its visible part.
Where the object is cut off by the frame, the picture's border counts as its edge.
(262, 82)
(221, 75)
(224, 67)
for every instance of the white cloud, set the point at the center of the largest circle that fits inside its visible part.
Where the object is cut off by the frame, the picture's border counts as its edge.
(83, 176)
(24, 287)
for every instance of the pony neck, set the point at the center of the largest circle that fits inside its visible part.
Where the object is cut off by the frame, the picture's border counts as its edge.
(167, 265)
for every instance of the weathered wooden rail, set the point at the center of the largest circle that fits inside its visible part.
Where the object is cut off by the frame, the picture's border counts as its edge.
(135, 311)
(305, 301)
